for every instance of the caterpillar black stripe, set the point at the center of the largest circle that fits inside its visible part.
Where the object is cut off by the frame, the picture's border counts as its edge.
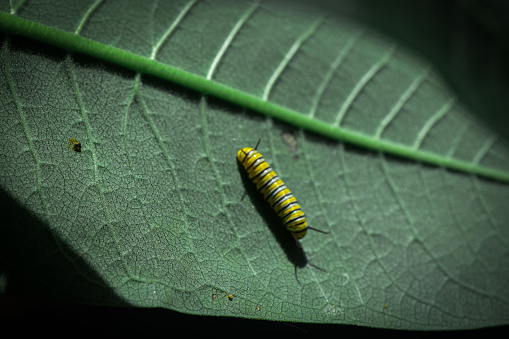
(275, 192)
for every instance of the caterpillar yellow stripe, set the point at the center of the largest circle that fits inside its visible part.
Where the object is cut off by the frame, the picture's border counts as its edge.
(275, 192)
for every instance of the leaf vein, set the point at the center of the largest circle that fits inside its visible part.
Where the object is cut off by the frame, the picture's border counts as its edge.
(87, 16)
(362, 83)
(332, 70)
(400, 103)
(288, 57)
(171, 29)
(243, 19)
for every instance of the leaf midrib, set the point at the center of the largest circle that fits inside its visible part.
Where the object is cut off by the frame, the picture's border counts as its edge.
(144, 65)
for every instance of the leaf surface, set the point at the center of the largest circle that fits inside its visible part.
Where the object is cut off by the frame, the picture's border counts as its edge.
(151, 212)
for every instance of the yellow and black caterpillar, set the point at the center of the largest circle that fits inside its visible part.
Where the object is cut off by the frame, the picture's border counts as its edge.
(275, 192)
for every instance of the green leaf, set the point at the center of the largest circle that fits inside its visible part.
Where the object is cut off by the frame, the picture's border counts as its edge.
(410, 186)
